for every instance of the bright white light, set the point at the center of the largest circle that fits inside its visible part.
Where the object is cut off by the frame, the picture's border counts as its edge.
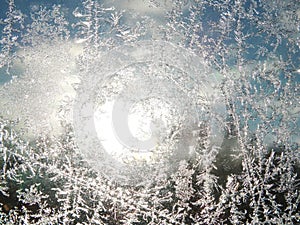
(106, 134)
(145, 122)
(141, 107)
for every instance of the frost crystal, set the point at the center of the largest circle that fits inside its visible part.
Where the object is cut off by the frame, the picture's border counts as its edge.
(149, 112)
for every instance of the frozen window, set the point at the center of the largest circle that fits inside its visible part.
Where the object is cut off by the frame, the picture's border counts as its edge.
(149, 112)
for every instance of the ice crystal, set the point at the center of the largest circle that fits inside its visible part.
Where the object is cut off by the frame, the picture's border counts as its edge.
(149, 112)
(13, 24)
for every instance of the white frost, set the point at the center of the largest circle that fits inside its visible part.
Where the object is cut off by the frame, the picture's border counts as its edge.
(41, 97)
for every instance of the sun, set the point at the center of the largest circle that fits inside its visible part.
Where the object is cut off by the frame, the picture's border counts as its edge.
(140, 128)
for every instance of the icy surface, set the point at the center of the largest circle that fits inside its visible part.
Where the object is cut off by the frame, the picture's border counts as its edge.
(149, 112)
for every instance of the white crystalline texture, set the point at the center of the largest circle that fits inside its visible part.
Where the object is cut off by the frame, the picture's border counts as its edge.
(144, 6)
(235, 63)
(41, 97)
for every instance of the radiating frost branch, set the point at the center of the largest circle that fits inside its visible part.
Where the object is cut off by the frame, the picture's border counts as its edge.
(10, 35)
(93, 23)
(48, 25)
(101, 27)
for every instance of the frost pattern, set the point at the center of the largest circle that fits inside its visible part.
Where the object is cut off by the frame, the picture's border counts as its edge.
(252, 178)
(13, 24)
